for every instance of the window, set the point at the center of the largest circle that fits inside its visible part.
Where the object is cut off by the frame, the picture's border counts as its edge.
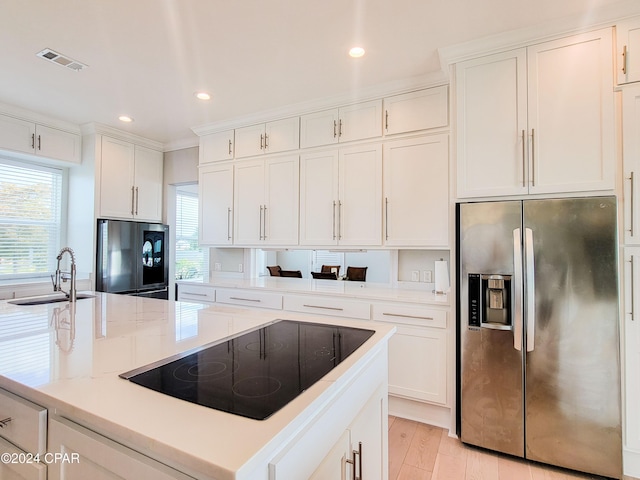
(190, 258)
(30, 219)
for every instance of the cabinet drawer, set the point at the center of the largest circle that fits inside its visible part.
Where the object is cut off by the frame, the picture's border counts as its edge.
(249, 298)
(27, 427)
(196, 293)
(327, 306)
(20, 470)
(410, 315)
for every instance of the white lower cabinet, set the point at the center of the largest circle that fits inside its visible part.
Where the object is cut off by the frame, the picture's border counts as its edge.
(420, 341)
(19, 470)
(249, 298)
(632, 359)
(196, 293)
(88, 455)
(323, 305)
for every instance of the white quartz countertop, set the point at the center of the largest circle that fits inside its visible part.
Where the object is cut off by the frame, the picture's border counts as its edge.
(68, 357)
(345, 289)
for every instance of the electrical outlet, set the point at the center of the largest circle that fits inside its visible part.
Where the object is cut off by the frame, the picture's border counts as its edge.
(427, 276)
(217, 267)
(415, 276)
(240, 267)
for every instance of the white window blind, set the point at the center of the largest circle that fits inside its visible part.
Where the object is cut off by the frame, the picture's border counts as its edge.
(30, 215)
(190, 258)
(326, 257)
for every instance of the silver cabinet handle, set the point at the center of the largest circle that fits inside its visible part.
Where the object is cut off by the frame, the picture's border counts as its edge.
(524, 159)
(39, 142)
(334, 219)
(416, 317)
(266, 141)
(33, 140)
(517, 279)
(324, 308)
(4, 422)
(624, 59)
(133, 199)
(260, 224)
(386, 218)
(531, 288)
(340, 128)
(245, 299)
(261, 142)
(137, 198)
(229, 223)
(533, 157)
(631, 223)
(633, 303)
(229, 147)
(339, 220)
(386, 120)
(352, 461)
(195, 294)
(335, 129)
(264, 224)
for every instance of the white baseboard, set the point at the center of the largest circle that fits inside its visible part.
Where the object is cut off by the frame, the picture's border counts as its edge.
(631, 462)
(438, 416)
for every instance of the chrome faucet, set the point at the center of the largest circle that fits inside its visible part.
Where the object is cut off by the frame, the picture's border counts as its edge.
(60, 277)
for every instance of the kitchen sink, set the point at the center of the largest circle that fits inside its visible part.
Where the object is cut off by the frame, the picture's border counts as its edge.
(44, 299)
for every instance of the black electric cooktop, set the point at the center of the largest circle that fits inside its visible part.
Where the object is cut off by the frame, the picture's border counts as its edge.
(256, 373)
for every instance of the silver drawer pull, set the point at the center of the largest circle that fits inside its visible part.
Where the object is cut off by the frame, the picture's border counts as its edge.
(245, 299)
(196, 294)
(406, 316)
(324, 308)
(4, 422)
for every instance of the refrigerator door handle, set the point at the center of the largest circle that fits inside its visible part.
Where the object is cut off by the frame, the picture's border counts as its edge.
(518, 287)
(531, 289)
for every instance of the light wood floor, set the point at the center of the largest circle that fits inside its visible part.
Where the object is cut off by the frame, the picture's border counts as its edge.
(422, 452)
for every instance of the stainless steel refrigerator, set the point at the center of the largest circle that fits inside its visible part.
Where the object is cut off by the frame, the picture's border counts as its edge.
(132, 258)
(538, 331)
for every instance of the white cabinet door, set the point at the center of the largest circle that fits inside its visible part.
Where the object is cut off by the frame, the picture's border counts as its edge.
(117, 190)
(282, 198)
(248, 202)
(415, 111)
(537, 120)
(215, 187)
(352, 122)
(491, 123)
(360, 121)
(571, 114)
(334, 465)
(57, 144)
(17, 135)
(360, 193)
(148, 184)
(416, 191)
(272, 137)
(99, 458)
(320, 128)
(369, 439)
(318, 198)
(631, 163)
(632, 346)
(20, 471)
(628, 51)
(216, 146)
(426, 348)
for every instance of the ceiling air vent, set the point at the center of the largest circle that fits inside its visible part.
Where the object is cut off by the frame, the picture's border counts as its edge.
(60, 59)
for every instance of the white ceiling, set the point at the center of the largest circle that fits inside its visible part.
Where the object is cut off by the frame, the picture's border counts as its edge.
(147, 57)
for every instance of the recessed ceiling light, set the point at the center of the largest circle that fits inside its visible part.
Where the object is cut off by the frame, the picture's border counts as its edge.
(203, 96)
(125, 119)
(356, 52)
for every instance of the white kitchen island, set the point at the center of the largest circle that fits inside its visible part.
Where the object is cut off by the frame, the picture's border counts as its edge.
(65, 359)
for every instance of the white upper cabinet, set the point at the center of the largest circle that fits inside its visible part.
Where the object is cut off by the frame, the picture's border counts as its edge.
(27, 137)
(416, 192)
(416, 111)
(344, 124)
(130, 181)
(340, 197)
(631, 163)
(272, 137)
(266, 201)
(537, 120)
(215, 185)
(628, 51)
(216, 146)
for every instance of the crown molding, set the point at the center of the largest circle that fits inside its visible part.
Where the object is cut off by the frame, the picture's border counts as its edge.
(315, 105)
(94, 128)
(593, 19)
(30, 116)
